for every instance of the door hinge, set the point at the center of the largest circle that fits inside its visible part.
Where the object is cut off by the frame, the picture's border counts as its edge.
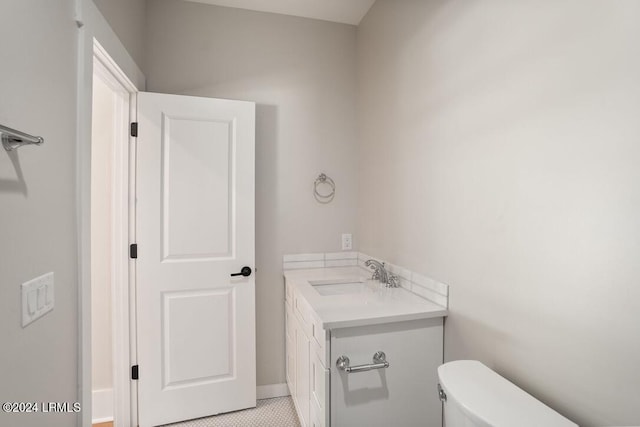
(442, 394)
(134, 129)
(133, 251)
(134, 372)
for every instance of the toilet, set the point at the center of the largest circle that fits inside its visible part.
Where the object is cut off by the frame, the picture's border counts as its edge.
(475, 396)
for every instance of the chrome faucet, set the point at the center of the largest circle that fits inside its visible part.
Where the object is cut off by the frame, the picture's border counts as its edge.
(380, 273)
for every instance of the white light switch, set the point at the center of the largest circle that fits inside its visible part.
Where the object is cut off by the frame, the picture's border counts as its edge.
(37, 298)
(49, 292)
(31, 301)
(40, 297)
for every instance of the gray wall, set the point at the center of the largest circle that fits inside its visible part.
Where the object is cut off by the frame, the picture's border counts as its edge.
(128, 19)
(301, 73)
(37, 206)
(507, 134)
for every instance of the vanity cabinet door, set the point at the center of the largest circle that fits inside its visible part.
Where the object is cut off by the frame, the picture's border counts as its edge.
(302, 376)
(290, 335)
(319, 389)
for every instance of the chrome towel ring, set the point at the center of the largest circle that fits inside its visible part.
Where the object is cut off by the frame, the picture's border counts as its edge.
(326, 195)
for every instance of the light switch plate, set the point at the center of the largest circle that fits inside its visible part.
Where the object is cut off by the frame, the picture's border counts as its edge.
(37, 298)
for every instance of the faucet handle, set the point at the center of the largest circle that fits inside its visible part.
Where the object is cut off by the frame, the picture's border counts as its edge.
(392, 281)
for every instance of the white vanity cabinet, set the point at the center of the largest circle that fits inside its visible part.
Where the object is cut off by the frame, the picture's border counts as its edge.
(404, 394)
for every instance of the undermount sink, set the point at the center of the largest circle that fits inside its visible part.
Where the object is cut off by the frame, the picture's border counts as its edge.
(338, 286)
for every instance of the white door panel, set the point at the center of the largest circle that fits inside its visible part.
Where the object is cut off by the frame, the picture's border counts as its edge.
(195, 206)
(195, 169)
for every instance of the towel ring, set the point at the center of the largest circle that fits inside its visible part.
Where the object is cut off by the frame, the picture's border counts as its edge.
(320, 196)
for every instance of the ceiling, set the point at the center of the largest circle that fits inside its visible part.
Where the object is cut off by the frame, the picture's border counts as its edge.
(344, 11)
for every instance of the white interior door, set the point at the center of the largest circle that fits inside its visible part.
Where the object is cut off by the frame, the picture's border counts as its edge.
(195, 222)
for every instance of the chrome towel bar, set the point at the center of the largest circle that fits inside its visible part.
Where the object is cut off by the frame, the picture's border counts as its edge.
(12, 139)
(379, 362)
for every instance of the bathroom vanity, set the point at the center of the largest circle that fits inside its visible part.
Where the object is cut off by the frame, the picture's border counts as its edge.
(359, 353)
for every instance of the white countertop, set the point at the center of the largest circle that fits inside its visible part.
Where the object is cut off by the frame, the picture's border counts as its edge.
(375, 304)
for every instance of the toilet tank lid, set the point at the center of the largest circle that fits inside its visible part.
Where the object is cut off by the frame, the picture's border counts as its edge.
(491, 399)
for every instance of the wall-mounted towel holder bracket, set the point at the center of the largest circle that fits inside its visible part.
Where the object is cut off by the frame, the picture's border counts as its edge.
(327, 196)
(12, 139)
(379, 362)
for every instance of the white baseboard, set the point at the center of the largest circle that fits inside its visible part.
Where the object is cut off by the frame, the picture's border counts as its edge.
(102, 406)
(272, 390)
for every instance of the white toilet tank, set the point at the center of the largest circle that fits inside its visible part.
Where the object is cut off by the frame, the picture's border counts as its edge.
(476, 396)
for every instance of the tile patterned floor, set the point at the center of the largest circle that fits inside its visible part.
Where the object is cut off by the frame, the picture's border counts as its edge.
(276, 412)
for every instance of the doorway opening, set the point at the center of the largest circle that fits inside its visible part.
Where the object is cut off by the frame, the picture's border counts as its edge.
(112, 228)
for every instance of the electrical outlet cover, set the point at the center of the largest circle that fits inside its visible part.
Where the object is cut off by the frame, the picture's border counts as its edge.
(347, 242)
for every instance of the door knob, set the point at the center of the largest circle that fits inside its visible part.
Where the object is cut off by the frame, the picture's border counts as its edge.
(246, 272)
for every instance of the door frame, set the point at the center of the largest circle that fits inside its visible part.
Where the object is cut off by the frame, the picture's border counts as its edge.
(122, 235)
(122, 268)
(91, 26)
